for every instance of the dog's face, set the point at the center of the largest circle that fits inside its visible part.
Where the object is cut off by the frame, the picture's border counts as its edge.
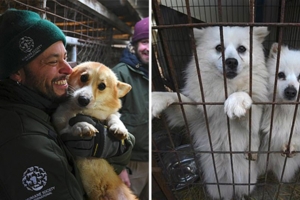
(96, 90)
(288, 75)
(236, 49)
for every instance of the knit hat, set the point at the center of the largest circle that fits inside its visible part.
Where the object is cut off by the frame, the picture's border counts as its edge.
(23, 36)
(141, 30)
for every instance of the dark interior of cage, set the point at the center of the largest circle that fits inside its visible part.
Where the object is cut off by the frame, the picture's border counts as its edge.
(175, 171)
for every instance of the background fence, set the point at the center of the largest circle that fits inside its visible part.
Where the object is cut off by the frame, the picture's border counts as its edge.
(95, 30)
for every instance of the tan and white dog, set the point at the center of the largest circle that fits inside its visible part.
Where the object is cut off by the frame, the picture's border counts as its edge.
(95, 92)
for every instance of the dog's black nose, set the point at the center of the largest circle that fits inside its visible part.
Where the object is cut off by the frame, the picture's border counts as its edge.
(290, 92)
(83, 101)
(232, 63)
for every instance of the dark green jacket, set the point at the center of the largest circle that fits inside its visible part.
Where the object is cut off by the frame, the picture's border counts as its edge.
(32, 162)
(135, 105)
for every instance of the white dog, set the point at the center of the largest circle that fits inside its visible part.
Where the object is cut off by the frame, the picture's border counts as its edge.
(282, 151)
(217, 168)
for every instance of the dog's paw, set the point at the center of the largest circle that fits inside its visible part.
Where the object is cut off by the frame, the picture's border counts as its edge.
(237, 105)
(119, 131)
(288, 151)
(84, 129)
(160, 101)
(116, 126)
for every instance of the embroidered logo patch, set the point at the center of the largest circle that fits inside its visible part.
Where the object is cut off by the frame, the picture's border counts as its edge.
(26, 44)
(34, 178)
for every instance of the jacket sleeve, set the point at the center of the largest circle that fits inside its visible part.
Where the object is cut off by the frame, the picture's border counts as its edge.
(118, 71)
(33, 166)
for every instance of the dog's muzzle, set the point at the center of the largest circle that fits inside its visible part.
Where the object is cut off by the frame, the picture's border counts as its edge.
(83, 101)
(290, 92)
(231, 67)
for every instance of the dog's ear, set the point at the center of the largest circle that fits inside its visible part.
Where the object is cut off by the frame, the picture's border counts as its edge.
(261, 32)
(197, 34)
(273, 50)
(123, 88)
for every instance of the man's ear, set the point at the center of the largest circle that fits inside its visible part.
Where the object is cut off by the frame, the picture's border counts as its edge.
(17, 76)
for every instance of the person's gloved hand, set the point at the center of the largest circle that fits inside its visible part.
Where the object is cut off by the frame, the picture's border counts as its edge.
(78, 146)
(103, 145)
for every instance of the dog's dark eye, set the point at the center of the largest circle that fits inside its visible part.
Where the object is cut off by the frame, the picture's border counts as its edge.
(281, 75)
(101, 86)
(84, 78)
(298, 77)
(219, 48)
(241, 49)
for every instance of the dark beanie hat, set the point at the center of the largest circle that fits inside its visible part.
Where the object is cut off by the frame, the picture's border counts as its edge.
(141, 30)
(23, 36)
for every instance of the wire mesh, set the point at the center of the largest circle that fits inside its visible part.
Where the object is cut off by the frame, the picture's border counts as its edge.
(89, 38)
(173, 46)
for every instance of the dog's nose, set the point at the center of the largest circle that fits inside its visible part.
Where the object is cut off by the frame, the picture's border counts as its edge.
(290, 92)
(83, 101)
(232, 63)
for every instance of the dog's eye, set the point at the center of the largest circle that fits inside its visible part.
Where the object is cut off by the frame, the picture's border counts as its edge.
(84, 78)
(241, 49)
(299, 77)
(101, 86)
(219, 48)
(281, 75)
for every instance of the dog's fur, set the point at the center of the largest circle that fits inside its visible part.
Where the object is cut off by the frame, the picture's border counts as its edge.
(236, 107)
(95, 92)
(287, 89)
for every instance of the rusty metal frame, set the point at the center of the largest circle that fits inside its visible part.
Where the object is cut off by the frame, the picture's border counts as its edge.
(161, 27)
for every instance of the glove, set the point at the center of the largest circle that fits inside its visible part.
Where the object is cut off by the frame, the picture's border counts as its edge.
(78, 146)
(103, 145)
(119, 162)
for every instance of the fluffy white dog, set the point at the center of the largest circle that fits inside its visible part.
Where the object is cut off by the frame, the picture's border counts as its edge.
(227, 175)
(287, 88)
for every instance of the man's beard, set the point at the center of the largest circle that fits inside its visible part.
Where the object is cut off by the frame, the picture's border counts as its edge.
(53, 98)
(48, 93)
(141, 59)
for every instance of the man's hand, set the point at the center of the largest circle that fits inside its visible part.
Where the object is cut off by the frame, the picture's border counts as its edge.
(125, 177)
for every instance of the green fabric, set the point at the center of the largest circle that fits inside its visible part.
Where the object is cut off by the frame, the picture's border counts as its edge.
(135, 109)
(23, 36)
(29, 148)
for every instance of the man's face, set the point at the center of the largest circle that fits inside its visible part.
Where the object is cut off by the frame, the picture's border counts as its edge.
(142, 51)
(47, 73)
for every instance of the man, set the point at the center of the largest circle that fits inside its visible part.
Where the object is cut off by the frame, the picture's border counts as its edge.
(35, 162)
(133, 69)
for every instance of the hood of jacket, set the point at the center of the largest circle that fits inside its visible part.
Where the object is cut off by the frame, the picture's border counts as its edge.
(132, 60)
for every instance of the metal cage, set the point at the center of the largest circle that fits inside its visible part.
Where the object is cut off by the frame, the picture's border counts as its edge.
(174, 170)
